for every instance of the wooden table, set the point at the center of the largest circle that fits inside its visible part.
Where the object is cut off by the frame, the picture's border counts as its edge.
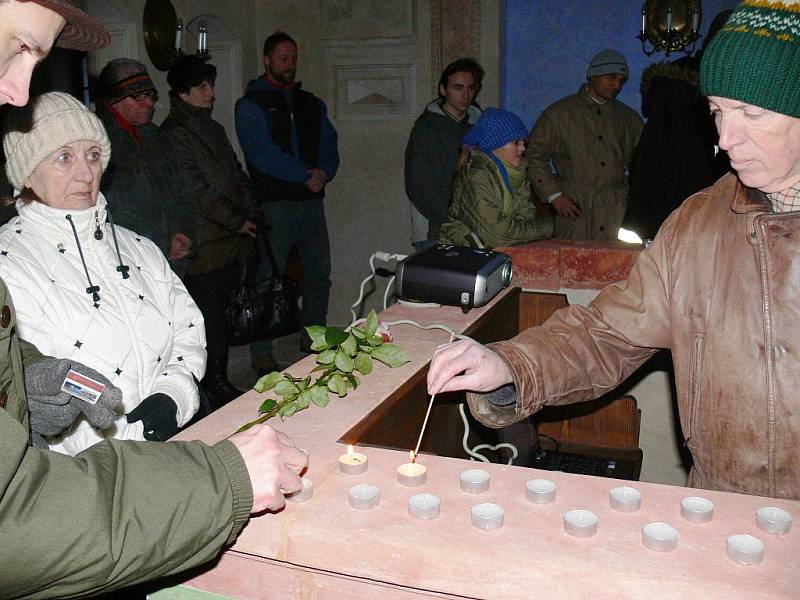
(324, 549)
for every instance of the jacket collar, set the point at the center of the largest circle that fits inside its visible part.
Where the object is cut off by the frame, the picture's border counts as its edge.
(53, 220)
(748, 200)
(436, 107)
(181, 108)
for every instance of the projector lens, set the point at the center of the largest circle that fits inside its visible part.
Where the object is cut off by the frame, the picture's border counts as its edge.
(507, 274)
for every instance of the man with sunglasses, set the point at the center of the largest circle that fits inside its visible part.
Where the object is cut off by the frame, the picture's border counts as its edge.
(147, 189)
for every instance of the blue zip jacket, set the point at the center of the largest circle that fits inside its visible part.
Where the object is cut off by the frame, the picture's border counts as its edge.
(264, 153)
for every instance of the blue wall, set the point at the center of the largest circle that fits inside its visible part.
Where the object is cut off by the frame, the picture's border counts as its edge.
(549, 43)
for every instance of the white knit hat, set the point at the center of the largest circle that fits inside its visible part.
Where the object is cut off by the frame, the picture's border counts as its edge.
(47, 123)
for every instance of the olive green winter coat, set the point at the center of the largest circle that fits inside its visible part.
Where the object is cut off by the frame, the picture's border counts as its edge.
(591, 146)
(484, 211)
(116, 514)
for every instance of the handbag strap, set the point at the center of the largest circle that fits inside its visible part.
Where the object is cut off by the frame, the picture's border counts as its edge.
(268, 248)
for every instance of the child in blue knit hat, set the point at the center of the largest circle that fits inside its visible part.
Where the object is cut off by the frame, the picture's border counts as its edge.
(492, 203)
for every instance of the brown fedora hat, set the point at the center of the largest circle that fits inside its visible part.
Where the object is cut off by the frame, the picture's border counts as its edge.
(82, 32)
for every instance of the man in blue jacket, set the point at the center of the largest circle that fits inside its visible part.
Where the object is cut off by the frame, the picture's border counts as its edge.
(291, 151)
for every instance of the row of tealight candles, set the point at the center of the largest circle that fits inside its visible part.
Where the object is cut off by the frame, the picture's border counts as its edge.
(660, 536)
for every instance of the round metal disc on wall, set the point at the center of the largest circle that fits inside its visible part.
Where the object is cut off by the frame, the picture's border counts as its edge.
(158, 23)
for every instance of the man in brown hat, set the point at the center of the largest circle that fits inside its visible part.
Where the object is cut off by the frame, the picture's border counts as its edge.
(31, 27)
(75, 526)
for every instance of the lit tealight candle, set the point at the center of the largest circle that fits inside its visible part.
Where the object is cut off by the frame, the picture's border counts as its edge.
(412, 473)
(625, 499)
(696, 509)
(773, 519)
(364, 496)
(353, 463)
(474, 481)
(659, 536)
(424, 506)
(580, 523)
(540, 491)
(745, 549)
(487, 516)
(305, 492)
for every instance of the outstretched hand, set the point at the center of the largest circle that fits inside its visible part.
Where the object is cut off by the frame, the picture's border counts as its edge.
(274, 464)
(466, 365)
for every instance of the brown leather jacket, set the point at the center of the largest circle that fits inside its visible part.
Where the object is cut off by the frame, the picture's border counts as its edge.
(720, 287)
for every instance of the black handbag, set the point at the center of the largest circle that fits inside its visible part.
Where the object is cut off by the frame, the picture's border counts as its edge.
(261, 311)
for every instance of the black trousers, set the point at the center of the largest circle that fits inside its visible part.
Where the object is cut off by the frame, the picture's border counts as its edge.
(210, 291)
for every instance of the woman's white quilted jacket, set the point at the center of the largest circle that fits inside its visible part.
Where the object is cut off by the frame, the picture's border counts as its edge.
(145, 334)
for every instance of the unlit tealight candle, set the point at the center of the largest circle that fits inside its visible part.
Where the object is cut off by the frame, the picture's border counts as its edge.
(540, 491)
(773, 519)
(580, 523)
(696, 509)
(487, 516)
(474, 481)
(424, 506)
(659, 536)
(364, 496)
(745, 549)
(625, 499)
(305, 492)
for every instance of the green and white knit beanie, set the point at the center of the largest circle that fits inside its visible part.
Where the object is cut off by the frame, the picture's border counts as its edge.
(755, 57)
(47, 123)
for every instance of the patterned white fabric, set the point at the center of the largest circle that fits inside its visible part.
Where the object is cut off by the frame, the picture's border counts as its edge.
(145, 334)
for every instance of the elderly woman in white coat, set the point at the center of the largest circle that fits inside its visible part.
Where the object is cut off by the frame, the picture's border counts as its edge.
(87, 290)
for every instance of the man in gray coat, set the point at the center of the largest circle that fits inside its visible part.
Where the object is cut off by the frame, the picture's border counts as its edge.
(433, 148)
(579, 151)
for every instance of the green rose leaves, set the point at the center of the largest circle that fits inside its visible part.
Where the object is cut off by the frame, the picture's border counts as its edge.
(343, 357)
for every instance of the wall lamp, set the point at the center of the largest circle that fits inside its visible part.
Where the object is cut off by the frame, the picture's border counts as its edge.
(164, 33)
(670, 25)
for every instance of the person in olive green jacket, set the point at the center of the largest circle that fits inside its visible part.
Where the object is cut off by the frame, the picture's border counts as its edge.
(589, 138)
(492, 204)
(119, 513)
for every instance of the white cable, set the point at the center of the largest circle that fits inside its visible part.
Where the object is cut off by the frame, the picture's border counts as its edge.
(385, 257)
(415, 304)
(386, 293)
(473, 453)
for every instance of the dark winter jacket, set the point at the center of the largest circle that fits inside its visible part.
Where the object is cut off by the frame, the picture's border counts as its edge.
(146, 188)
(225, 200)
(431, 161)
(284, 132)
(675, 156)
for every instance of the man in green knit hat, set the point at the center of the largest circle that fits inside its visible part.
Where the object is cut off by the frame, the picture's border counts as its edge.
(718, 287)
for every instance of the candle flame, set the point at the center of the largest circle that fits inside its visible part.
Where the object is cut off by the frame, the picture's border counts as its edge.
(349, 450)
(412, 456)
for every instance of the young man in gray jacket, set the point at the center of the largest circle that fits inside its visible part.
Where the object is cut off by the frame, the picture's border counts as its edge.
(434, 145)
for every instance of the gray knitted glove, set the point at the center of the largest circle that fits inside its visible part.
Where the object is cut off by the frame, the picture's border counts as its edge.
(52, 411)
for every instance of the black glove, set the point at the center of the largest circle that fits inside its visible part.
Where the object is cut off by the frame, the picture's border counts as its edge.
(158, 413)
(52, 411)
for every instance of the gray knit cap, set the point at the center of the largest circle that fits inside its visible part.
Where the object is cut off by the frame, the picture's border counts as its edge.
(47, 123)
(607, 62)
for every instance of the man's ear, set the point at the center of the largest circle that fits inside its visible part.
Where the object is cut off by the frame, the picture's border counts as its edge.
(442, 91)
(265, 61)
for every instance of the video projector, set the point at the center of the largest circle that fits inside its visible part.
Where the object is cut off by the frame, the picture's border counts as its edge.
(453, 275)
